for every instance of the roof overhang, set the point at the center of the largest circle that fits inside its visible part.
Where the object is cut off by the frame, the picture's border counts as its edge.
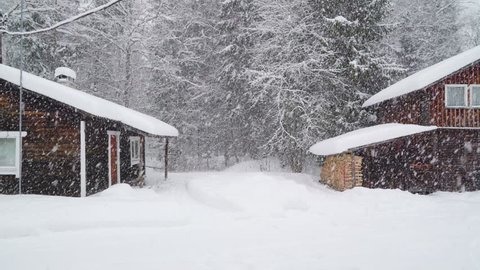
(88, 103)
(366, 136)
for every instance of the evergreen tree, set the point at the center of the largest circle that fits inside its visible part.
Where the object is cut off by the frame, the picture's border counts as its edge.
(426, 34)
(231, 123)
(316, 60)
(289, 75)
(183, 70)
(44, 52)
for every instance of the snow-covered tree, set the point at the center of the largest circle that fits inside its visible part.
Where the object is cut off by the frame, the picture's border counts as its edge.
(241, 77)
(231, 121)
(424, 32)
(314, 62)
(469, 24)
(41, 53)
(181, 57)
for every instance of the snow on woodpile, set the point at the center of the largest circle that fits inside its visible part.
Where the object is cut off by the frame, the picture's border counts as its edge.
(426, 77)
(366, 136)
(88, 103)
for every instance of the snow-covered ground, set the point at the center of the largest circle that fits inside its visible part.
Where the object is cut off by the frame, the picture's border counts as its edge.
(241, 220)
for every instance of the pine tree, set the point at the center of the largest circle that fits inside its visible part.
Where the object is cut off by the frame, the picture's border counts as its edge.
(316, 60)
(352, 31)
(182, 67)
(425, 34)
(231, 123)
(288, 77)
(41, 53)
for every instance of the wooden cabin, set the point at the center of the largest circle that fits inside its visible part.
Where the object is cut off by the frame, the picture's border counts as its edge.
(440, 105)
(73, 143)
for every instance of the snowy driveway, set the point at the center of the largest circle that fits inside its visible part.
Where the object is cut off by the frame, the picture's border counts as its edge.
(241, 221)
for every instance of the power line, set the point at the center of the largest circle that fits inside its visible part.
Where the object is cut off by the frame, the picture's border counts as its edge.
(61, 23)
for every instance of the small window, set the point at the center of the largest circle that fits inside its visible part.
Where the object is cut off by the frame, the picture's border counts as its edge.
(455, 96)
(475, 95)
(134, 150)
(9, 153)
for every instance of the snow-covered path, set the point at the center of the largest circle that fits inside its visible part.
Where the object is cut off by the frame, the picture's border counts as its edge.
(233, 220)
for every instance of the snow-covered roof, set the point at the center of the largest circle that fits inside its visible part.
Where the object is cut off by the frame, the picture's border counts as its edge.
(426, 77)
(88, 103)
(366, 136)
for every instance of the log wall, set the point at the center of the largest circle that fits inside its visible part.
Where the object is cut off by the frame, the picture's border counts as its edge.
(51, 149)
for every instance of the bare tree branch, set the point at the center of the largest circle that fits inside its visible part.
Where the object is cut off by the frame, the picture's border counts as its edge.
(64, 22)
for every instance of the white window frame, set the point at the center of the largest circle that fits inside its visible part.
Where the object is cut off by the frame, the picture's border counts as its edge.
(135, 159)
(15, 170)
(465, 89)
(471, 95)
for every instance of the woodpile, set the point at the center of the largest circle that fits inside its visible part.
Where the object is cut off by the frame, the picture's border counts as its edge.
(342, 171)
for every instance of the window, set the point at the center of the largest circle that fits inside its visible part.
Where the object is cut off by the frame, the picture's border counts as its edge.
(455, 96)
(134, 150)
(10, 153)
(475, 95)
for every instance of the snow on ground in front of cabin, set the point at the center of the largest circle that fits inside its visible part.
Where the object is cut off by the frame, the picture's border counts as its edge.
(235, 220)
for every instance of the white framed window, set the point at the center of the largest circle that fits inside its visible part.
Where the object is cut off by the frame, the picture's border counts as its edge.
(134, 150)
(475, 95)
(10, 152)
(456, 95)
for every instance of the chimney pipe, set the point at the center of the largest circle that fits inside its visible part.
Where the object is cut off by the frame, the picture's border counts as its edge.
(65, 76)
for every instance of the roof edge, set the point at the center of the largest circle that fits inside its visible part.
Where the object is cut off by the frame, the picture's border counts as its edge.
(413, 81)
(364, 137)
(88, 103)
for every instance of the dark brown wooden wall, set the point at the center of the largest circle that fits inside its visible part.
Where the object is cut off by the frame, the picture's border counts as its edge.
(133, 175)
(51, 149)
(427, 106)
(405, 109)
(441, 160)
(449, 117)
(51, 162)
(97, 154)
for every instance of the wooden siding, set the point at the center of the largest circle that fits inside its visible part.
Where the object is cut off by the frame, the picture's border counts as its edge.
(427, 106)
(51, 149)
(405, 109)
(132, 174)
(441, 160)
(51, 161)
(97, 155)
(342, 172)
(449, 117)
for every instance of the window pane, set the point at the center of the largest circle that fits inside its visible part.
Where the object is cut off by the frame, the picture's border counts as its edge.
(456, 96)
(7, 152)
(136, 149)
(476, 95)
(131, 149)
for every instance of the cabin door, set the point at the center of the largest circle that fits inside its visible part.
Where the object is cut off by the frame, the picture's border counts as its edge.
(113, 157)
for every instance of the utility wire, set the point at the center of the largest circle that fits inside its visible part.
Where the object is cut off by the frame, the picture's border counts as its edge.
(61, 23)
(20, 102)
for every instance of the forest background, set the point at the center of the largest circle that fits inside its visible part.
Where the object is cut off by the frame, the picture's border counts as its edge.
(242, 79)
